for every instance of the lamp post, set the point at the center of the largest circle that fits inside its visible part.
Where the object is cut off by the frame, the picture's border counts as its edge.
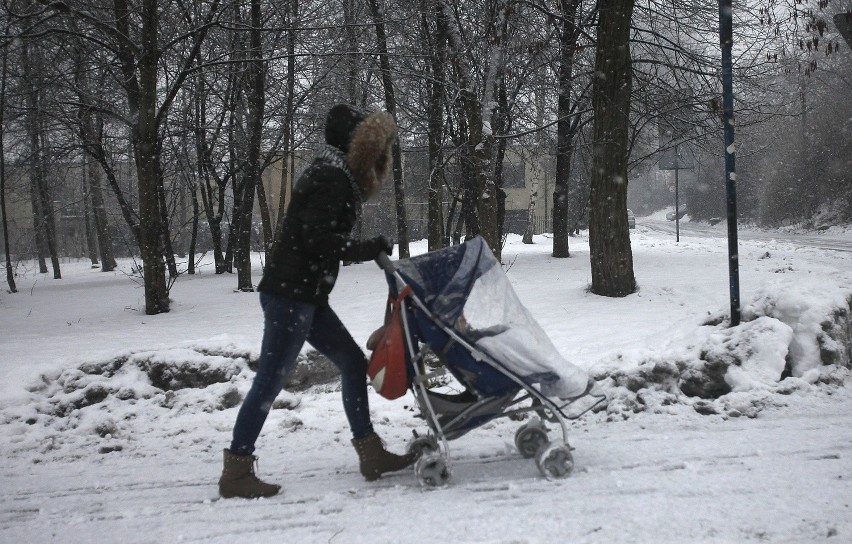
(673, 135)
(726, 38)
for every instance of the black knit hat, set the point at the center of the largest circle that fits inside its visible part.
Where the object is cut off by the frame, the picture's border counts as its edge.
(340, 123)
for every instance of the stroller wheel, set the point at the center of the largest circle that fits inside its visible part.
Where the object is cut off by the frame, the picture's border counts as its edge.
(421, 445)
(530, 437)
(432, 470)
(555, 460)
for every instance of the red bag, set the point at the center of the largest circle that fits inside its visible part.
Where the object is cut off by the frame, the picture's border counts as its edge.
(387, 370)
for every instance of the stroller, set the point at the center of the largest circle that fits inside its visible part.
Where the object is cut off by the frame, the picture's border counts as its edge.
(456, 305)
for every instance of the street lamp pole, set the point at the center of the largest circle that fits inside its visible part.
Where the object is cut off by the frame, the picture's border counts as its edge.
(726, 38)
(677, 195)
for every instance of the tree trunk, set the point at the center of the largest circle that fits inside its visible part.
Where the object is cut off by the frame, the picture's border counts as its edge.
(469, 216)
(528, 235)
(238, 180)
(104, 237)
(451, 215)
(49, 209)
(88, 219)
(435, 90)
(255, 89)
(10, 272)
(565, 129)
(352, 63)
(212, 196)
(609, 237)
(150, 225)
(236, 120)
(146, 150)
(399, 194)
(390, 105)
(45, 200)
(541, 146)
(287, 137)
(265, 220)
(45, 216)
(502, 127)
(193, 238)
(180, 237)
(352, 59)
(38, 229)
(219, 264)
(168, 250)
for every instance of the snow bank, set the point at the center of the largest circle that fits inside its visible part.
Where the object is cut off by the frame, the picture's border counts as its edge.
(818, 317)
(788, 340)
(104, 405)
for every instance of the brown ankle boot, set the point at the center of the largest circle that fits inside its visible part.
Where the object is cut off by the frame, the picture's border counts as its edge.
(238, 479)
(376, 460)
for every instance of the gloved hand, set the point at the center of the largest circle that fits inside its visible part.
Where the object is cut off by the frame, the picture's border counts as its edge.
(382, 244)
(369, 249)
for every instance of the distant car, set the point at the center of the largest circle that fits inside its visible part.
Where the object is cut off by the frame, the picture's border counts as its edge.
(671, 215)
(631, 219)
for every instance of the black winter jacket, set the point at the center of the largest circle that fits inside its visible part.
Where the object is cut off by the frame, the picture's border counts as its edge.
(314, 235)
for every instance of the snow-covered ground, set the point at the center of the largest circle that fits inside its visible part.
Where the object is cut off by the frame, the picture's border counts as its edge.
(113, 422)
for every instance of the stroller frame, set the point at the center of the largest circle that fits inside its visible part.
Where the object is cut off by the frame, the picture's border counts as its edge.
(433, 468)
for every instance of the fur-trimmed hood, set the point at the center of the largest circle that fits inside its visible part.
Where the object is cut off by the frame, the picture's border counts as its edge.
(369, 156)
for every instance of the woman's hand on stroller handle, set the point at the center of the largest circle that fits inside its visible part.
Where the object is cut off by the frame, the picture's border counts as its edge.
(384, 262)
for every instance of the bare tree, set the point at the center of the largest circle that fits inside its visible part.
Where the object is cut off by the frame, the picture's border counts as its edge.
(390, 105)
(132, 31)
(92, 172)
(44, 214)
(481, 197)
(213, 183)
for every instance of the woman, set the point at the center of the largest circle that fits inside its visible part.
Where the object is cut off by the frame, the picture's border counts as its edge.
(311, 241)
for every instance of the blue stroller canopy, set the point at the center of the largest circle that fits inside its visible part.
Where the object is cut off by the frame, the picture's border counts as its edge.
(444, 278)
(465, 288)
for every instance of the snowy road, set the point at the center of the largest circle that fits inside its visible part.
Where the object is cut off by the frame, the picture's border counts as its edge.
(702, 230)
(780, 478)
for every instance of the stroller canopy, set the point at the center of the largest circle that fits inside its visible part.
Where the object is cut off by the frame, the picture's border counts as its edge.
(465, 287)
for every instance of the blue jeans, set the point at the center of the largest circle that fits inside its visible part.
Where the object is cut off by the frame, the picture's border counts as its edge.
(288, 324)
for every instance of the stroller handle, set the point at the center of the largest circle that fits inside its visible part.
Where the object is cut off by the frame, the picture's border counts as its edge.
(384, 262)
